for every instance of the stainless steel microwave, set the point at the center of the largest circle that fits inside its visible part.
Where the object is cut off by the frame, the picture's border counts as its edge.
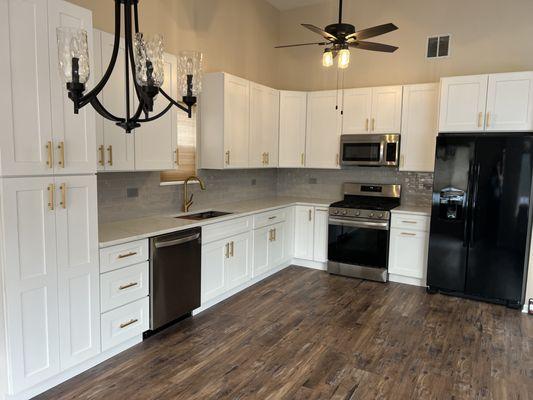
(370, 150)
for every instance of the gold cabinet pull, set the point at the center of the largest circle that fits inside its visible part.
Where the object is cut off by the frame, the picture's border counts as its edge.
(480, 120)
(274, 234)
(227, 157)
(231, 249)
(130, 322)
(102, 155)
(366, 125)
(337, 159)
(407, 234)
(303, 159)
(50, 159)
(226, 252)
(110, 150)
(63, 189)
(310, 215)
(129, 285)
(373, 124)
(487, 119)
(270, 237)
(61, 148)
(51, 190)
(177, 156)
(130, 254)
(267, 158)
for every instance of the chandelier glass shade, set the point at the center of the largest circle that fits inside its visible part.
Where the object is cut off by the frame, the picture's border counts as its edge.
(144, 69)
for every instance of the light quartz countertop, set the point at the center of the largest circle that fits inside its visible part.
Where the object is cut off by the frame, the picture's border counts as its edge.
(114, 233)
(412, 209)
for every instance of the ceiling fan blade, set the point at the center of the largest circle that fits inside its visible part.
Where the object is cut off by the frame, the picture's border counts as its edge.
(373, 46)
(371, 32)
(301, 44)
(321, 32)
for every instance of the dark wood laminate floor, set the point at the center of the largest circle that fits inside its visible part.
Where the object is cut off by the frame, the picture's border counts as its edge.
(303, 334)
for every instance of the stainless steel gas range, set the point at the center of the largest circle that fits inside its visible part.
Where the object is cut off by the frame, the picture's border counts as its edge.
(359, 227)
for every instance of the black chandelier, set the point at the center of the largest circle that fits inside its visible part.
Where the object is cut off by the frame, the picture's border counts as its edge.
(144, 56)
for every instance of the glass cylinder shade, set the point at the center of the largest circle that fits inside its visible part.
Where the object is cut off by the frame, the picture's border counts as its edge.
(73, 54)
(149, 60)
(190, 73)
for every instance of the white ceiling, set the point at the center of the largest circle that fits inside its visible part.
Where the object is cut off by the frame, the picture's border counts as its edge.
(288, 4)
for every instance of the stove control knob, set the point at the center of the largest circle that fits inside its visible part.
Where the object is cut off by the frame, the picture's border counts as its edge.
(343, 212)
(335, 212)
(357, 213)
(371, 215)
(380, 215)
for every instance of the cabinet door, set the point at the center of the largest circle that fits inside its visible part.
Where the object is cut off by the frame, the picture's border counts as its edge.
(239, 266)
(304, 232)
(320, 247)
(74, 135)
(260, 253)
(214, 259)
(356, 111)
(29, 236)
(78, 269)
(408, 253)
(264, 126)
(118, 145)
(323, 130)
(236, 121)
(292, 123)
(156, 141)
(26, 136)
(277, 242)
(462, 103)
(509, 102)
(386, 109)
(419, 127)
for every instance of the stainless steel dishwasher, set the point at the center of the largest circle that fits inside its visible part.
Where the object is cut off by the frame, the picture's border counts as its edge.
(175, 275)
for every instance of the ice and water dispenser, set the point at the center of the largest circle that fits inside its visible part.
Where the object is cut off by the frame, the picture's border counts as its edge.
(451, 203)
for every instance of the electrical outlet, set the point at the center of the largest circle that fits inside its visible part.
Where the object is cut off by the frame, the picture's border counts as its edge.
(254, 182)
(132, 192)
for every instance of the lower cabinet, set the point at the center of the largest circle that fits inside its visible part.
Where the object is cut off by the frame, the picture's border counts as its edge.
(226, 264)
(311, 233)
(408, 248)
(269, 248)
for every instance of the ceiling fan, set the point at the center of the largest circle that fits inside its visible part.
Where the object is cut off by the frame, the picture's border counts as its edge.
(340, 37)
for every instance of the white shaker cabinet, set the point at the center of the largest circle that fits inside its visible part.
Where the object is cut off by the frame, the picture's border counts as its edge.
(41, 134)
(386, 109)
(292, 125)
(304, 232)
(225, 122)
(156, 142)
(270, 248)
(238, 264)
(356, 111)
(510, 102)
(320, 245)
(419, 127)
(49, 226)
(323, 130)
(115, 149)
(264, 126)
(462, 103)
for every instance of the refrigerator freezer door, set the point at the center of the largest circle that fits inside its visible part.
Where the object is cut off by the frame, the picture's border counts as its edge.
(500, 216)
(448, 243)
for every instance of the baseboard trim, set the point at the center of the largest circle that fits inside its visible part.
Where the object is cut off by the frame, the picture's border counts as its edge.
(71, 373)
(407, 280)
(322, 266)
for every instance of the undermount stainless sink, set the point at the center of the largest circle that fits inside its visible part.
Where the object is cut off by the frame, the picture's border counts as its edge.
(204, 215)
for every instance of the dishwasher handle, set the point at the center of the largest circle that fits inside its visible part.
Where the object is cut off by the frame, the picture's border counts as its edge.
(176, 242)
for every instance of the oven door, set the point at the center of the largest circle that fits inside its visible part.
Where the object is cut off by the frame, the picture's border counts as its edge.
(358, 248)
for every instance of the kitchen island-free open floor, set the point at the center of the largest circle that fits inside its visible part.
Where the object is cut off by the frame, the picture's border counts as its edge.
(304, 334)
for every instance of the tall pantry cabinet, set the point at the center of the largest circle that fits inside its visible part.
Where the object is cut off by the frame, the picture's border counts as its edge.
(49, 284)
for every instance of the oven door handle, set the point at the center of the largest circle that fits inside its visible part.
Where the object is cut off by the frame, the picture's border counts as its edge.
(384, 226)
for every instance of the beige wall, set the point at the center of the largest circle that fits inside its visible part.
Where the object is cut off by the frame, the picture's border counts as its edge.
(487, 36)
(236, 36)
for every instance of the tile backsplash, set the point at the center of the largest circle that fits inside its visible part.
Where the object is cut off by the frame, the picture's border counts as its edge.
(139, 194)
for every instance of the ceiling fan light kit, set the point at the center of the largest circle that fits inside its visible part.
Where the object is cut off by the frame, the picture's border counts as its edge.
(143, 55)
(341, 36)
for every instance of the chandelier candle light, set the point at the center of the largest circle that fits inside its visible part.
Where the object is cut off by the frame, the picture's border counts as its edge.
(143, 55)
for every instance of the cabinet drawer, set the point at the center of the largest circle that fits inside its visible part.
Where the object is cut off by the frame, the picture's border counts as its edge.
(222, 230)
(122, 255)
(410, 221)
(123, 286)
(125, 323)
(269, 218)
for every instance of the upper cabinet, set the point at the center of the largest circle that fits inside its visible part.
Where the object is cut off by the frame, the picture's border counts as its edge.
(323, 130)
(264, 126)
(372, 110)
(292, 124)
(496, 102)
(419, 127)
(41, 134)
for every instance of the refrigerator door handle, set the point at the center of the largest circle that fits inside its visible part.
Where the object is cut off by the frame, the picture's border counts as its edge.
(477, 170)
(468, 203)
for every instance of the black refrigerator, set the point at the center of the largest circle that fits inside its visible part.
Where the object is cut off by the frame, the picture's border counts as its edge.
(480, 220)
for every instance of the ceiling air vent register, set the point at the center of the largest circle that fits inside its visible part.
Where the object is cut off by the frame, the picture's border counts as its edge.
(438, 46)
